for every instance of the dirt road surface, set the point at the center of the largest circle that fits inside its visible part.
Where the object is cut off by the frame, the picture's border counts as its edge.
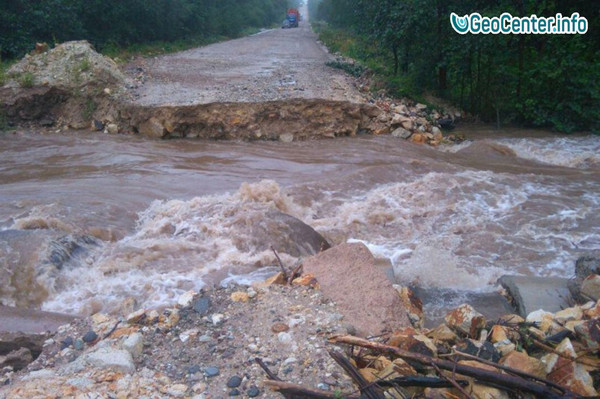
(274, 65)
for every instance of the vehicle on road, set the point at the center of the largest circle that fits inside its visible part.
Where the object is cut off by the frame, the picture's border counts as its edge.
(291, 19)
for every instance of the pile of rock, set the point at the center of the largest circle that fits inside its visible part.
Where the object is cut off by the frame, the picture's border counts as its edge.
(416, 122)
(559, 349)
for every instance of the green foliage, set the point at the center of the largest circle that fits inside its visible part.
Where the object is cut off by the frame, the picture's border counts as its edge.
(85, 65)
(26, 80)
(89, 109)
(352, 69)
(122, 23)
(539, 80)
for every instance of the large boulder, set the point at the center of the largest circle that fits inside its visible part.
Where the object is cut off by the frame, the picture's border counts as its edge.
(348, 275)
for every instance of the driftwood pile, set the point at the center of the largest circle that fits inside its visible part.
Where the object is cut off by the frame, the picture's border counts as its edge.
(543, 356)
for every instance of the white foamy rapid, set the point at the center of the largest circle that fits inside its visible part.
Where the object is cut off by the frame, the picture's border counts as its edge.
(455, 219)
(573, 152)
(175, 245)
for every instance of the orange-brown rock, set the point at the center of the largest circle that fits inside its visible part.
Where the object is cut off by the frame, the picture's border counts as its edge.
(306, 280)
(279, 327)
(568, 373)
(418, 138)
(408, 339)
(465, 320)
(412, 304)
(522, 361)
(240, 296)
(369, 374)
(349, 275)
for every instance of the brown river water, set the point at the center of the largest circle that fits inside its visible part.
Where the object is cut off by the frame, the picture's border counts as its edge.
(88, 220)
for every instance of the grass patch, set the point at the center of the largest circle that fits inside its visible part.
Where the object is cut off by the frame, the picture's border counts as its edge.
(89, 109)
(352, 69)
(361, 49)
(85, 65)
(26, 80)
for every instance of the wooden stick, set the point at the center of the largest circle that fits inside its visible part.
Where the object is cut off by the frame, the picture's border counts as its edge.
(266, 369)
(507, 380)
(294, 273)
(368, 391)
(452, 381)
(298, 391)
(285, 276)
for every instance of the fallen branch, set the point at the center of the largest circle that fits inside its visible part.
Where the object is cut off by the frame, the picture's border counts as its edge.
(295, 272)
(285, 276)
(298, 391)
(367, 390)
(452, 381)
(509, 370)
(493, 377)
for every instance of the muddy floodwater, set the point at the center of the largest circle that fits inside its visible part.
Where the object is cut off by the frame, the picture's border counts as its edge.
(90, 220)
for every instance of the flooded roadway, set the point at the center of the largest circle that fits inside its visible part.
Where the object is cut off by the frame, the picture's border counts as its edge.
(150, 219)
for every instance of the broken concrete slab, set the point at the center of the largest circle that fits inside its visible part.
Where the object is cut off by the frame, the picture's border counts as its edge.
(348, 275)
(533, 293)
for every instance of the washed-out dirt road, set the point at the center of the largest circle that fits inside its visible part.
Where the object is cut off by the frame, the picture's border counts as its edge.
(273, 65)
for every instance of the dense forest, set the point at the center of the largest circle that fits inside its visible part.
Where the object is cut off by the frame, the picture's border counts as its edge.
(540, 80)
(125, 22)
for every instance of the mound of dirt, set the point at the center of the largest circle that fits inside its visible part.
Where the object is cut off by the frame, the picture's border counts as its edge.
(71, 65)
(70, 85)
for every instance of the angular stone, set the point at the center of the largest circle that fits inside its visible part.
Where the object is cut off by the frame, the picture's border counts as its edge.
(442, 333)
(152, 128)
(348, 275)
(412, 304)
(484, 350)
(544, 321)
(112, 128)
(590, 287)
(568, 314)
(532, 293)
(593, 311)
(522, 361)
(401, 133)
(568, 373)
(307, 280)
(369, 374)
(134, 344)
(465, 320)
(186, 299)
(113, 359)
(408, 339)
(589, 332)
(498, 333)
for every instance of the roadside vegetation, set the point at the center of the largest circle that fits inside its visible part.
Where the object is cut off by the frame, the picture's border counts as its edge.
(535, 80)
(126, 27)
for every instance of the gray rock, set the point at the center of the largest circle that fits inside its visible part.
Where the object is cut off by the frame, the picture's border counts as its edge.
(253, 392)
(90, 336)
(78, 344)
(234, 381)
(533, 293)
(134, 344)
(112, 128)
(201, 306)
(211, 372)
(401, 133)
(114, 359)
(286, 137)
